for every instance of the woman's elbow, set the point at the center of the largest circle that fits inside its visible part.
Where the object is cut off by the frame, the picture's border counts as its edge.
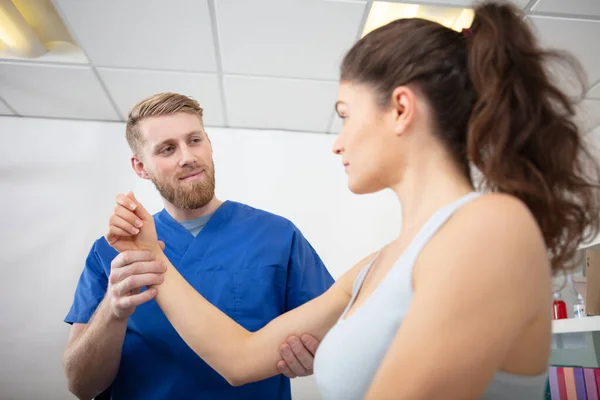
(236, 376)
(233, 381)
(237, 373)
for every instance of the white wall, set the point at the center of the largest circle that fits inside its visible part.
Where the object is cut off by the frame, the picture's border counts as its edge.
(57, 183)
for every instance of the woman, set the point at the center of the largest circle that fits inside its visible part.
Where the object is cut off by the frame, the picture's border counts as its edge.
(458, 306)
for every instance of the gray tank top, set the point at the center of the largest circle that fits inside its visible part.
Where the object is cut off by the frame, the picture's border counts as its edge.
(349, 355)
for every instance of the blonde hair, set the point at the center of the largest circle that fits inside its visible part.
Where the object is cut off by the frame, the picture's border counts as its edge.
(154, 106)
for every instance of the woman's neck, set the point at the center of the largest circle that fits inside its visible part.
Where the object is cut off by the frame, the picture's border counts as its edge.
(427, 185)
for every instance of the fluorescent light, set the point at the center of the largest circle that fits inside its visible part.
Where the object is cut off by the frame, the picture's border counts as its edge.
(16, 34)
(383, 13)
(30, 28)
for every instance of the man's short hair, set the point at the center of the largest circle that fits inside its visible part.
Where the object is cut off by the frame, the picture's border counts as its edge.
(154, 106)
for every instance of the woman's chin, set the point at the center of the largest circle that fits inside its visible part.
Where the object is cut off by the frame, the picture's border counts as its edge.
(360, 188)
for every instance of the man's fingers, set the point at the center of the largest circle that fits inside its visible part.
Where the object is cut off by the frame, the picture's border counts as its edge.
(283, 369)
(137, 299)
(136, 281)
(136, 268)
(305, 357)
(310, 343)
(292, 362)
(131, 256)
(161, 244)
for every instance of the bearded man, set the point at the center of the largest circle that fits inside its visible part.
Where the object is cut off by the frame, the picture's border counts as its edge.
(251, 264)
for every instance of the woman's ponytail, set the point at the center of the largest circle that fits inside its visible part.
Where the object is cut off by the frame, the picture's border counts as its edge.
(522, 135)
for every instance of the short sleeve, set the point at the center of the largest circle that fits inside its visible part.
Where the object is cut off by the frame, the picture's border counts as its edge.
(307, 275)
(91, 287)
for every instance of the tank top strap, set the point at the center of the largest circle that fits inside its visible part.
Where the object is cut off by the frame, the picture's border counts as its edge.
(435, 222)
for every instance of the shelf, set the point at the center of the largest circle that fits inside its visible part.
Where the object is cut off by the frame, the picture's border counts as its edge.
(576, 342)
(575, 325)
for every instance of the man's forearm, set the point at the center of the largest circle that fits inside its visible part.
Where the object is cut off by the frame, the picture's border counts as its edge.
(92, 360)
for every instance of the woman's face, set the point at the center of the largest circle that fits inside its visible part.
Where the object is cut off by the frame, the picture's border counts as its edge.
(370, 143)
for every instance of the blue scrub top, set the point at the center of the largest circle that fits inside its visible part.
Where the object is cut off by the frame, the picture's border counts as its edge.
(249, 263)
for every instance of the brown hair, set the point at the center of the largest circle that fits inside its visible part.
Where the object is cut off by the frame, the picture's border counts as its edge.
(154, 106)
(494, 106)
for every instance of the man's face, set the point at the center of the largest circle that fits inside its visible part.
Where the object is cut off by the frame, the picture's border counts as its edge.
(177, 157)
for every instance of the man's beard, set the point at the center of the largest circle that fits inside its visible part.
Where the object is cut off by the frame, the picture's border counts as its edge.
(188, 196)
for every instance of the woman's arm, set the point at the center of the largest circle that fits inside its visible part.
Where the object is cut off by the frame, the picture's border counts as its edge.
(238, 355)
(478, 286)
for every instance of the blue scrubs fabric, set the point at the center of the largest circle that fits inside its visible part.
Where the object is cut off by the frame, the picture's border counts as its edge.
(251, 264)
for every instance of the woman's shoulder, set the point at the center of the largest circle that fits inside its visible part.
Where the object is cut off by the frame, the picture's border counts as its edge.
(346, 282)
(496, 216)
(494, 234)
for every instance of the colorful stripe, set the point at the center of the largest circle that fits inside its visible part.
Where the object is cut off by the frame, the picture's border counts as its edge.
(553, 379)
(580, 384)
(591, 386)
(570, 383)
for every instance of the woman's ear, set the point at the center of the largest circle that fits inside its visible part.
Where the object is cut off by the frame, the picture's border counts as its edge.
(403, 106)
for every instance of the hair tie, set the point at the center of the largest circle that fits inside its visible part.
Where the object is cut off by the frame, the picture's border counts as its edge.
(467, 32)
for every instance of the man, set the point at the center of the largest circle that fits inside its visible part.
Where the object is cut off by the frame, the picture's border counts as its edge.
(251, 264)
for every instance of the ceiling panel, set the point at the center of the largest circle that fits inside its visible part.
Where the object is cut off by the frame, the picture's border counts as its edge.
(54, 91)
(127, 87)
(462, 3)
(277, 103)
(595, 92)
(578, 7)
(588, 115)
(287, 38)
(149, 34)
(4, 110)
(574, 36)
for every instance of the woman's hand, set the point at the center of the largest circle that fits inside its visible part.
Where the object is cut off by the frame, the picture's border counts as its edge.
(131, 227)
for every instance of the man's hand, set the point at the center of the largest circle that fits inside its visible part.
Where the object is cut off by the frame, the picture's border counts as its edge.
(130, 271)
(131, 227)
(298, 356)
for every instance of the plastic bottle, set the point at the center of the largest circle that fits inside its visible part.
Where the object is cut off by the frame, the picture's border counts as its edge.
(559, 307)
(579, 307)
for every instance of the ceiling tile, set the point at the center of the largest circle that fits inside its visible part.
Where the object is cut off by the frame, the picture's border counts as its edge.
(4, 110)
(127, 87)
(588, 115)
(54, 91)
(277, 103)
(579, 7)
(148, 34)
(286, 38)
(594, 93)
(576, 36)
(462, 3)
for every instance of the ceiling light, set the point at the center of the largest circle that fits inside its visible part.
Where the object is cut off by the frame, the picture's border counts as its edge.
(383, 13)
(30, 28)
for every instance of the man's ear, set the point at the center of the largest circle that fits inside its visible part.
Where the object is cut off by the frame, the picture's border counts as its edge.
(138, 167)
